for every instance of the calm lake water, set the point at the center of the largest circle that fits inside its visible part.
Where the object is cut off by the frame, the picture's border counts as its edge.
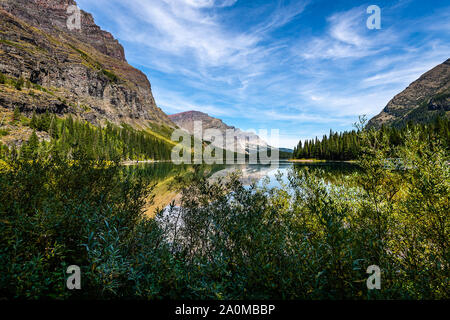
(163, 174)
(250, 172)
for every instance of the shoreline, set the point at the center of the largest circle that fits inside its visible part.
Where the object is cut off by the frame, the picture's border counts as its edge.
(319, 161)
(135, 162)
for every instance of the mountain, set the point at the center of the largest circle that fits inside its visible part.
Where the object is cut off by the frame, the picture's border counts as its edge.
(421, 101)
(287, 150)
(185, 120)
(45, 66)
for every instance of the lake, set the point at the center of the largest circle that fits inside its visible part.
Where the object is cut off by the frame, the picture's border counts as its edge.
(163, 175)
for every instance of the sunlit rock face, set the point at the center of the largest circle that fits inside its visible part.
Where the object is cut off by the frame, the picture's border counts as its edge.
(79, 71)
(420, 101)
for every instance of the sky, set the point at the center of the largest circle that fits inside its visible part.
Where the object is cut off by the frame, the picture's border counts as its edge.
(301, 66)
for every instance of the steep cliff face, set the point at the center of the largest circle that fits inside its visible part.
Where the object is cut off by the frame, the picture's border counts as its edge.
(423, 99)
(82, 72)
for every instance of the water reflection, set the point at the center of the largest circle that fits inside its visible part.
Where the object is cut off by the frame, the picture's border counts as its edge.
(163, 175)
(255, 173)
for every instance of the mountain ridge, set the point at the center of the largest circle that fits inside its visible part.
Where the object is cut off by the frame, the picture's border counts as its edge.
(185, 120)
(424, 99)
(81, 72)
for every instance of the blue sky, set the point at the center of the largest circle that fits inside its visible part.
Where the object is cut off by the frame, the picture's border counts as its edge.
(300, 66)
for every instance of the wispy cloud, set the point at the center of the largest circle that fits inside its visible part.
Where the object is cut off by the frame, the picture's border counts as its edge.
(346, 37)
(299, 65)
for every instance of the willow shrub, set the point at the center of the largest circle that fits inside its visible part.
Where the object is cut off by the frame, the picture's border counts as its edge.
(308, 239)
(311, 239)
(55, 213)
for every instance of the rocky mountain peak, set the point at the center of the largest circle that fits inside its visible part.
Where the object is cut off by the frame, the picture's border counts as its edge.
(186, 121)
(81, 72)
(51, 16)
(245, 140)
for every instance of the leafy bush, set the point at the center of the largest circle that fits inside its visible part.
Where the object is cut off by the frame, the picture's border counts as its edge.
(55, 213)
(313, 240)
(19, 84)
(308, 239)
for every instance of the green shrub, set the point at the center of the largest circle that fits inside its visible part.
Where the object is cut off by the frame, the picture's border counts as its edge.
(110, 75)
(306, 240)
(55, 213)
(19, 84)
(17, 114)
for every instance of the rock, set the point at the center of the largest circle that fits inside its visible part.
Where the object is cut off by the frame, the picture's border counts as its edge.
(81, 72)
(418, 100)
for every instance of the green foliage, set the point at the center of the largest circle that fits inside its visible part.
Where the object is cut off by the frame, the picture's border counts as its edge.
(30, 149)
(335, 146)
(2, 78)
(16, 115)
(308, 239)
(315, 240)
(34, 121)
(90, 61)
(73, 137)
(110, 75)
(53, 129)
(55, 213)
(19, 84)
(41, 123)
(347, 145)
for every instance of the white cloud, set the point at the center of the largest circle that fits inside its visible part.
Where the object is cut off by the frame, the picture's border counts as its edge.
(298, 117)
(173, 102)
(397, 76)
(347, 37)
(200, 55)
(191, 28)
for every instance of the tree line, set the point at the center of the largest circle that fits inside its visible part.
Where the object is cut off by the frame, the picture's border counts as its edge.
(346, 145)
(73, 138)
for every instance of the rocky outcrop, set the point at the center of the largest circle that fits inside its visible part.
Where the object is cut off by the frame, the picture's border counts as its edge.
(186, 121)
(420, 101)
(83, 72)
(51, 16)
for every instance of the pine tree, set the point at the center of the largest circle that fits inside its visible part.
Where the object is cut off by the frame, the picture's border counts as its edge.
(44, 122)
(16, 116)
(30, 149)
(34, 121)
(53, 128)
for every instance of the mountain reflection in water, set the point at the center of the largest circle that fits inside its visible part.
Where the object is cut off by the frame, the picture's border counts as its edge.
(163, 175)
